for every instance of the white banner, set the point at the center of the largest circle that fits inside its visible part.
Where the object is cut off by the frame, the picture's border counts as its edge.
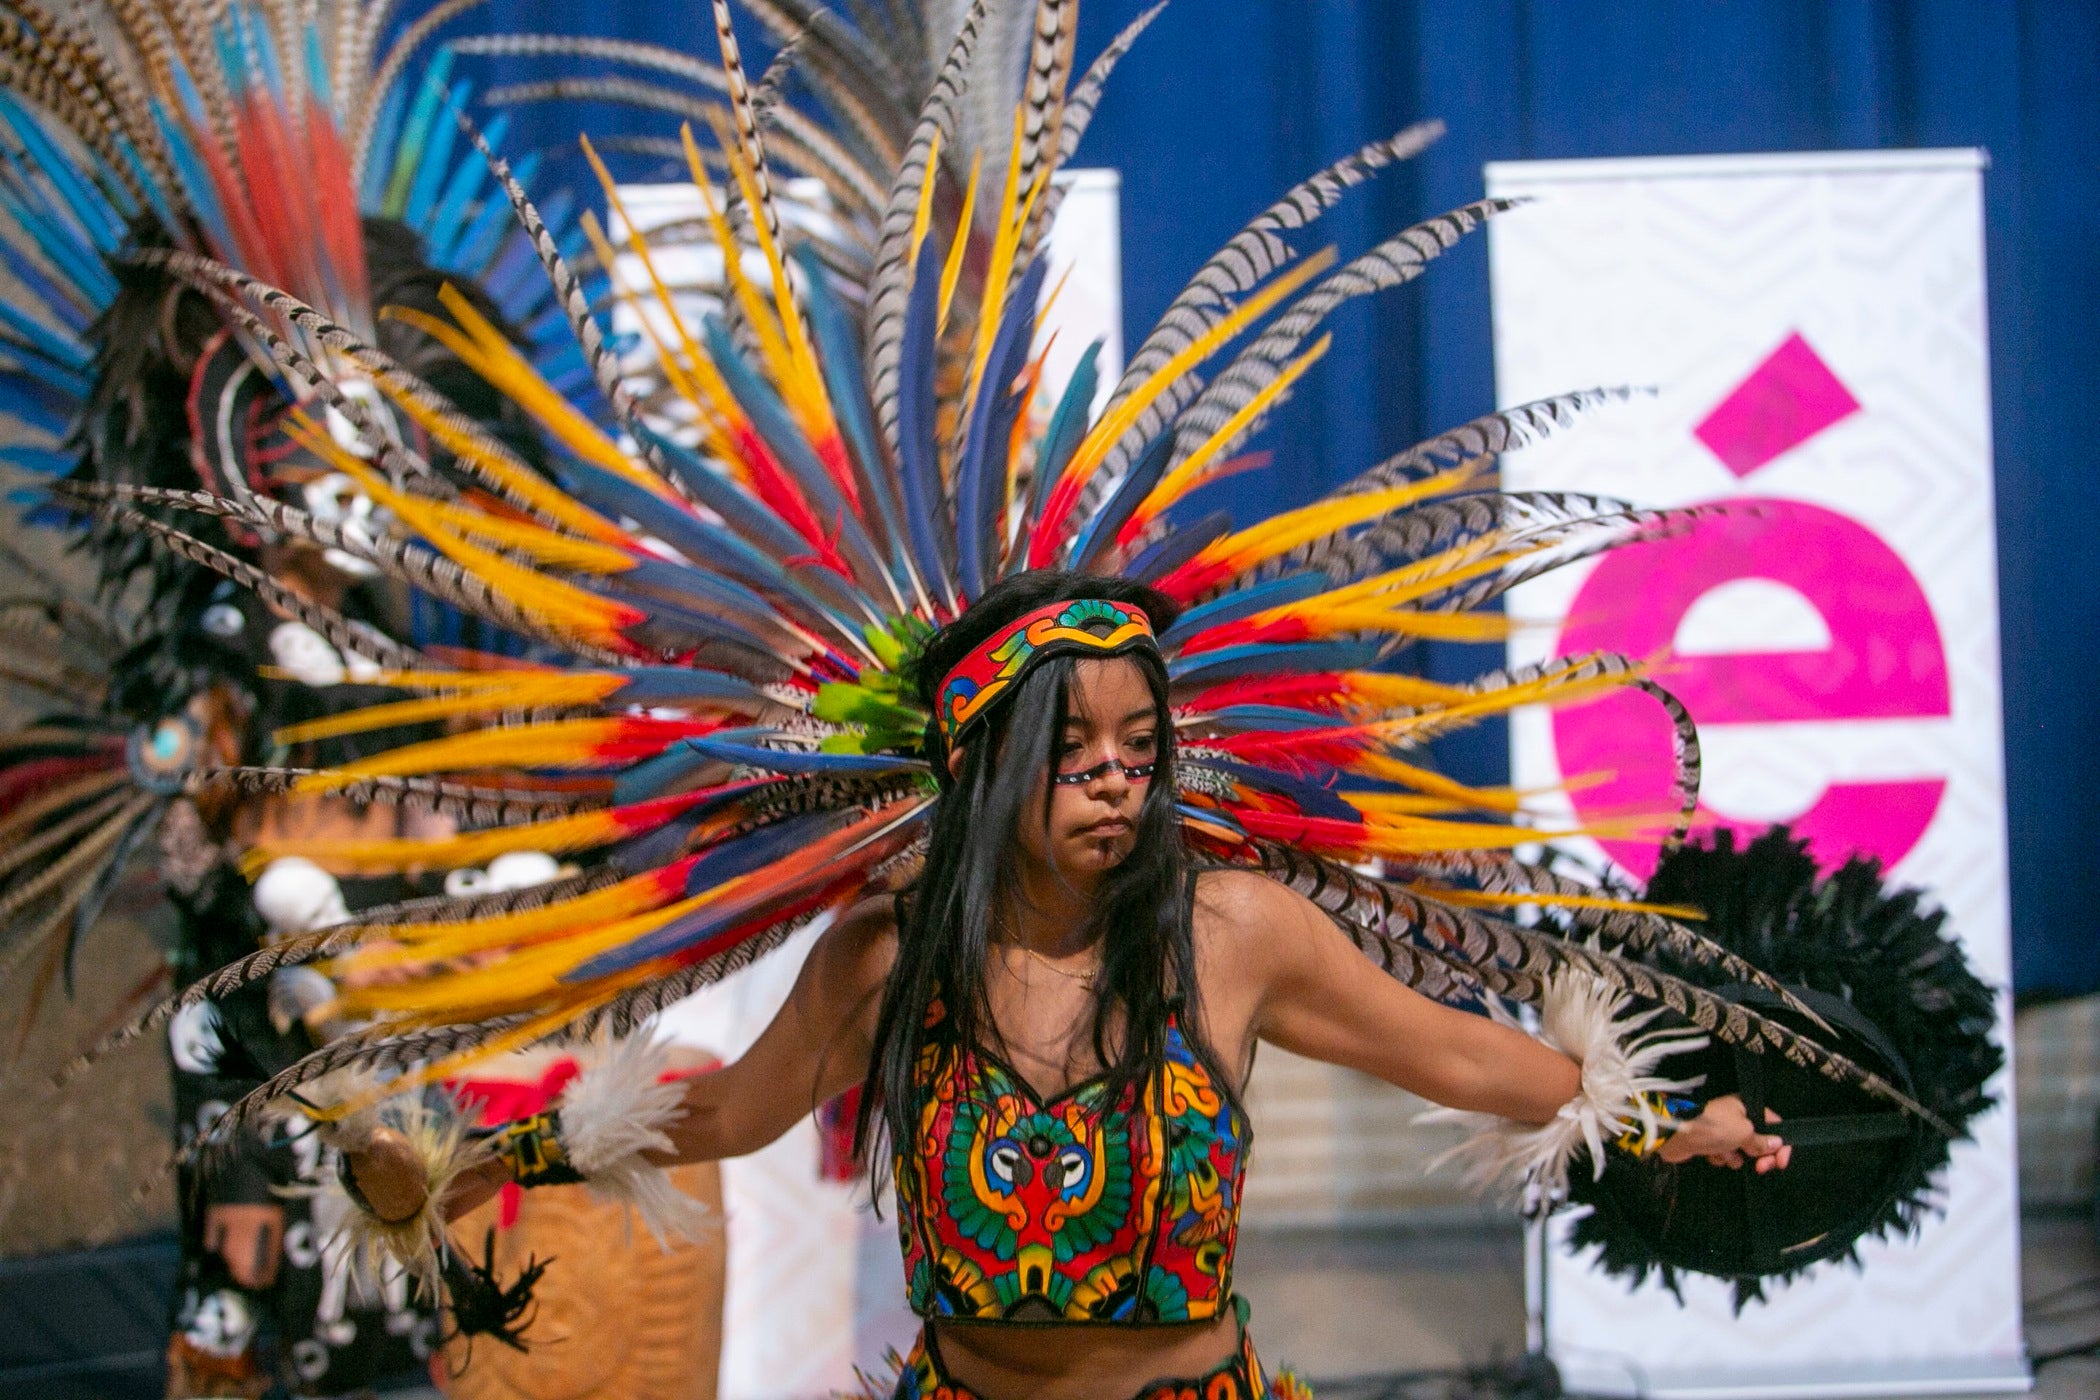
(1815, 326)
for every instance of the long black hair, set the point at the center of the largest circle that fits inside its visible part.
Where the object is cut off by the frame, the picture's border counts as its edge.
(945, 921)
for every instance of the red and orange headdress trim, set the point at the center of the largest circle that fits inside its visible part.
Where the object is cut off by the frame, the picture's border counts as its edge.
(1076, 626)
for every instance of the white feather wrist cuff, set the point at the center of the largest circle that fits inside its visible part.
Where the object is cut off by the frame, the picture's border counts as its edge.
(612, 1113)
(1593, 1024)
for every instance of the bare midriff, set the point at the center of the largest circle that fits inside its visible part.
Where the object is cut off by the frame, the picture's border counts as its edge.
(1078, 1361)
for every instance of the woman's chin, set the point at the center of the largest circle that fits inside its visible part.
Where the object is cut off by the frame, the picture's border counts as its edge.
(1094, 856)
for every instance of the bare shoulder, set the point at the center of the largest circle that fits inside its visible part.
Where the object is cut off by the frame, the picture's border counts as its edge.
(858, 950)
(1239, 912)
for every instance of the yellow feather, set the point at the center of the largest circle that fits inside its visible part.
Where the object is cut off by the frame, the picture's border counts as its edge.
(531, 692)
(382, 855)
(570, 743)
(1282, 533)
(1481, 899)
(952, 272)
(924, 217)
(1187, 475)
(1094, 447)
(561, 606)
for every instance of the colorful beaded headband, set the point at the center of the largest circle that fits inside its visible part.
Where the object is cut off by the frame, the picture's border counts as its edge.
(1082, 626)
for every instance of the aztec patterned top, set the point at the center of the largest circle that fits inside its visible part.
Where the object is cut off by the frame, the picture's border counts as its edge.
(1074, 1209)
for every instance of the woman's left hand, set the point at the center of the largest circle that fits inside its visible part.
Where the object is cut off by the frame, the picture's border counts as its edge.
(1724, 1135)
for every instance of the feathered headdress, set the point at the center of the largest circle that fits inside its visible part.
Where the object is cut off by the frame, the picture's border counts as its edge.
(713, 722)
(275, 139)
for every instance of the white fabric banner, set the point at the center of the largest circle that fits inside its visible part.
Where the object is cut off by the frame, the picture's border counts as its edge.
(1815, 327)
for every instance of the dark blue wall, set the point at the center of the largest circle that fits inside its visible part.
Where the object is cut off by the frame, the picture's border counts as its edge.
(1225, 102)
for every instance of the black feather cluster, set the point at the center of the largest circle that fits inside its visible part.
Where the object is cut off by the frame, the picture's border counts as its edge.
(1884, 951)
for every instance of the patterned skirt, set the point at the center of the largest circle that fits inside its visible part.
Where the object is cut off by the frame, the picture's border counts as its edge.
(1240, 1376)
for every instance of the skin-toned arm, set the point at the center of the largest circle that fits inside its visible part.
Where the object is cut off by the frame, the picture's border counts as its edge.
(817, 1047)
(1292, 978)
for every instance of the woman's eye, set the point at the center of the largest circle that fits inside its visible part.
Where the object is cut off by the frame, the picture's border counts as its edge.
(1143, 744)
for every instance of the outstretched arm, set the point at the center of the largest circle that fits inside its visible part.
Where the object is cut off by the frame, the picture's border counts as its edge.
(1311, 991)
(815, 1048)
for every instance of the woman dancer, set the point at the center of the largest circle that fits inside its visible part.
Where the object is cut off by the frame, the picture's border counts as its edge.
(1052, 1028)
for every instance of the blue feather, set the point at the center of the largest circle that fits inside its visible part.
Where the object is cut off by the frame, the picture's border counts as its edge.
(918, 464)
(696, 585)
(1245, 602)
(61, 301)
(761, 848)
(1130, 492)
(1177, 547)
(838, 352)
(36, 401)
(35, 337)
(86, 204)
(381, 153)
(1231, 663)
(749, 518)
(762, 405)
(1312, 799)
(1067, 427)
(421, 117)
(44, 461)
(1285, 718)
(980, 467)
(700, 541)
(435, 163)
(484, 236)
(448, 219)
(671, 685)
(795, 761)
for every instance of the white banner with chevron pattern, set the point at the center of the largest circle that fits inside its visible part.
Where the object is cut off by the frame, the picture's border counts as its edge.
(1814, 326)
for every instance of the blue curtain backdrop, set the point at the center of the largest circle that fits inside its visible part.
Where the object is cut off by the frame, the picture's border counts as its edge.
(1225, 102)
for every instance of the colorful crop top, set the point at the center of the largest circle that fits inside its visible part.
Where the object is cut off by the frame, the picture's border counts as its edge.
(1071, 1210)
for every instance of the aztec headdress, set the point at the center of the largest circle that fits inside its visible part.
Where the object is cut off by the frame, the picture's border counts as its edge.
(713, 720)
(157, 158)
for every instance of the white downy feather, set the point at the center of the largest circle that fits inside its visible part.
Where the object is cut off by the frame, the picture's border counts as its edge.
(1591, 1022)
(612, 1113)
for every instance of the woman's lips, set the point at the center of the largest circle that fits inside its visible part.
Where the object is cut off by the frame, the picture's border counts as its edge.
(1113, 826)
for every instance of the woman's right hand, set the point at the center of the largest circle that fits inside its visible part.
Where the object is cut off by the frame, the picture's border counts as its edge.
(394, 1185)
(386, 1176)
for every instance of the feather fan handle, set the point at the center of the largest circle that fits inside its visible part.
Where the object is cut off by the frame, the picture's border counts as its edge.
(389, 72)
(1594, 1024)
(436, 1134)
(1501, 431)
(890, 290)
(342, 633)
